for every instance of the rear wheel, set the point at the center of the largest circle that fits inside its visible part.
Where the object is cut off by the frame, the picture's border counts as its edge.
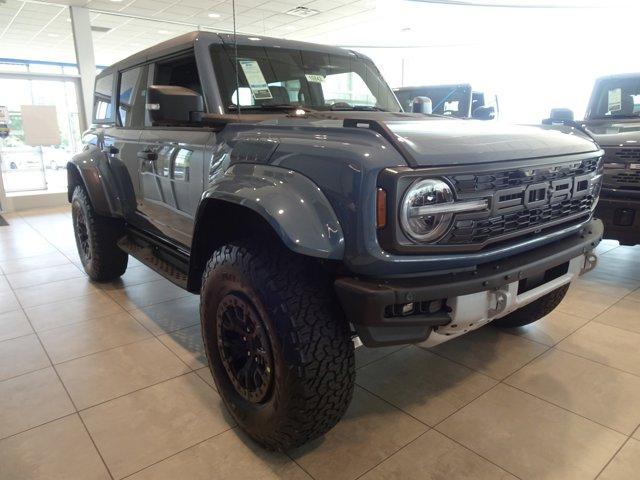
(278, 346)
(534, 311)
(96, 239)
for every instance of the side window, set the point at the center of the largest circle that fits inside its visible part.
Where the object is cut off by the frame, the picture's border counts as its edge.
(132, 94)
(179, 72)
(102, 111)
(347, 87)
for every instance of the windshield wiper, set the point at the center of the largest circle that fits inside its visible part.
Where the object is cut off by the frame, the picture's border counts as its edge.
(270, 106)
(362, 108)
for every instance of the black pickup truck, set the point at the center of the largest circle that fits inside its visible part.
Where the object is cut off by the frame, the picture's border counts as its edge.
(613, 121)
(282, 182)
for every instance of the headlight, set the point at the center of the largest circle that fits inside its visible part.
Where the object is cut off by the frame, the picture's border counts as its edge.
(428, 208)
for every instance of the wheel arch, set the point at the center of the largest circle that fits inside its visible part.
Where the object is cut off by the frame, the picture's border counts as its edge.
(256, 200)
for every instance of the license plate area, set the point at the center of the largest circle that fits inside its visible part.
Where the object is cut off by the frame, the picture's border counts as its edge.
(534, 281)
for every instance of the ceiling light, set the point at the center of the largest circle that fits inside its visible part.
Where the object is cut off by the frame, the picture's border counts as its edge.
(214, 15)
(164, 32)
(302, 12)
(53, 35)
(254, 39)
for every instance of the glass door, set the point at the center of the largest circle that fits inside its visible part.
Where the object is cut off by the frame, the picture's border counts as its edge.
(31, 161)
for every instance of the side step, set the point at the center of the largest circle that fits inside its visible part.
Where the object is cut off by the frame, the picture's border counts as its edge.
(149, 256)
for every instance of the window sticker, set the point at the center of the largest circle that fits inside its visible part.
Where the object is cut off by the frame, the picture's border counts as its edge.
(615, 100)
(314, 78)
(257, 82)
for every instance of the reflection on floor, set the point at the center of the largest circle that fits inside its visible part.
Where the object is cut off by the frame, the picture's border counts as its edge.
(109, 381)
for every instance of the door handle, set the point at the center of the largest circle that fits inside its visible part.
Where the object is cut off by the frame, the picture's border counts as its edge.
(148, 154)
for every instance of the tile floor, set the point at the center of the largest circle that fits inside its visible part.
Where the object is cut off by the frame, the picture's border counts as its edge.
(109, 381)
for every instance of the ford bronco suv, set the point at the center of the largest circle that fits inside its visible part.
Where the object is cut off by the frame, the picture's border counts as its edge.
(613, 121)
(459, 101)
(282, 182)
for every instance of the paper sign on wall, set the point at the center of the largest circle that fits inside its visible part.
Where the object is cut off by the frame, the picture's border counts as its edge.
(4, 115)
(256, 80)
(40, 125)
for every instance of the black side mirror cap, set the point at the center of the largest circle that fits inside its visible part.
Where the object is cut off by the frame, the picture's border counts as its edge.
(484, 113)
(170, 105)
(422, 105)
(562, 116)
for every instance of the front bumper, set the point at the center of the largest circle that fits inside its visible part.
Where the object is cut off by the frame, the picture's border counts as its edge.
(367, 302)
(620, 213)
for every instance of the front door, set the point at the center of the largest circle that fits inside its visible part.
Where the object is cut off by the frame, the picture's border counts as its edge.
(171, 167)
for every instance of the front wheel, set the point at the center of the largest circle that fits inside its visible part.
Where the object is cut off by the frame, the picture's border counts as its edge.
(96, 239)
(534, 311)
(278, 346)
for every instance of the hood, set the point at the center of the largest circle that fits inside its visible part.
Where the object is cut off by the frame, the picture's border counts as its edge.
(439, 141)
(614, 133)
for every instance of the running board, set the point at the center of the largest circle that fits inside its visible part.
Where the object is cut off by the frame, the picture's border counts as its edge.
(148, 256)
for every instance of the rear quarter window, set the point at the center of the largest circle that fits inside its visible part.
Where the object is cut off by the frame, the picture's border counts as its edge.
(103, 100)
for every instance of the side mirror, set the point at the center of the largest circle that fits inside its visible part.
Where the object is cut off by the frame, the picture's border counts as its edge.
(484, 113)
(174, 105)
(422, 105)
(562, 116)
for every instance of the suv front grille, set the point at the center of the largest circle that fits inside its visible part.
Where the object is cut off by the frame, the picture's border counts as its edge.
(621, 179)
(468, 184)
(479, 231)
(623, 154)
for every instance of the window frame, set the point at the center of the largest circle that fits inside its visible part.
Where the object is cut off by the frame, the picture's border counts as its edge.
(107, 120)
(144, 70)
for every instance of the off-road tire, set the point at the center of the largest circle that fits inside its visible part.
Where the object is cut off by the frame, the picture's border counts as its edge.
(534, 311)
(101, 257)
(310, 342)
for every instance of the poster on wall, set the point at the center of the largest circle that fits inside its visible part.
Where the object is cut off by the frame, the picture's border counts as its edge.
(4, 121)
(40, 125)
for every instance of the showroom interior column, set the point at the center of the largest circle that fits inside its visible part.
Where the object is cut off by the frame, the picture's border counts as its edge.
(83, 42)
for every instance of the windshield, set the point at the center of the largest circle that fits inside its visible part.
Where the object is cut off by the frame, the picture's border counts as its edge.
(449, 100)
(617, 98)
(271, 77)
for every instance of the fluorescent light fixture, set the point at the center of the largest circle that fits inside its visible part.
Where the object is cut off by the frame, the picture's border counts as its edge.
(164, 32)
(303, 12)
(531, 3)
(214, 15)
(254, 39)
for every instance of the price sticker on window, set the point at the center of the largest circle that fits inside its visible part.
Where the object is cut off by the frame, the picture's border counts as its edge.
(4, 115)
(255, 77)
(314, 78)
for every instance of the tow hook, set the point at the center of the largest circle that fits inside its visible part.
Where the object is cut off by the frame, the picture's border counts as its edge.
(590, 262)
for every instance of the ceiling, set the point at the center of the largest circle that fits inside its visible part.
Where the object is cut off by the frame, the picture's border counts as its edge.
(42, 30)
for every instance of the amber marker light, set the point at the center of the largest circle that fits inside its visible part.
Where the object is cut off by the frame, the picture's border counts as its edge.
(381, 208)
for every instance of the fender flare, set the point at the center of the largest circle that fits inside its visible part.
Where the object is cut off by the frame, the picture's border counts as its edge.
(295, 208)
(91, 167)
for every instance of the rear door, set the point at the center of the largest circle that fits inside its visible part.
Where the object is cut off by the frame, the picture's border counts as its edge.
(171, 167)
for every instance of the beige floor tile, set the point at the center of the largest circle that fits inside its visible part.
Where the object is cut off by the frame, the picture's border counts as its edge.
(22, 248)
(147, 426)
(625, 314)
(31, 263)
(532, 438)
(636, 435)
(44, 275)
(30, 400)
(4, 284)
(371, 431)
(102, 376)
(8, 302)
(143, 295)
(54, 292)
(205, 374)
(230, 455)
(423, 384)
(634, 296)
(187, 344)
(615, 286)
(605, 344)
(135, 275)
(490, 351)
(170, 316)
(606, 246)
(57, 450)
(21, 355)
(67, 312)
(435, 457)
(602, 394)
(84, 338)
(365, 356)
(585, 303)
(551, 329)
(14, 324)
(625, 465)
